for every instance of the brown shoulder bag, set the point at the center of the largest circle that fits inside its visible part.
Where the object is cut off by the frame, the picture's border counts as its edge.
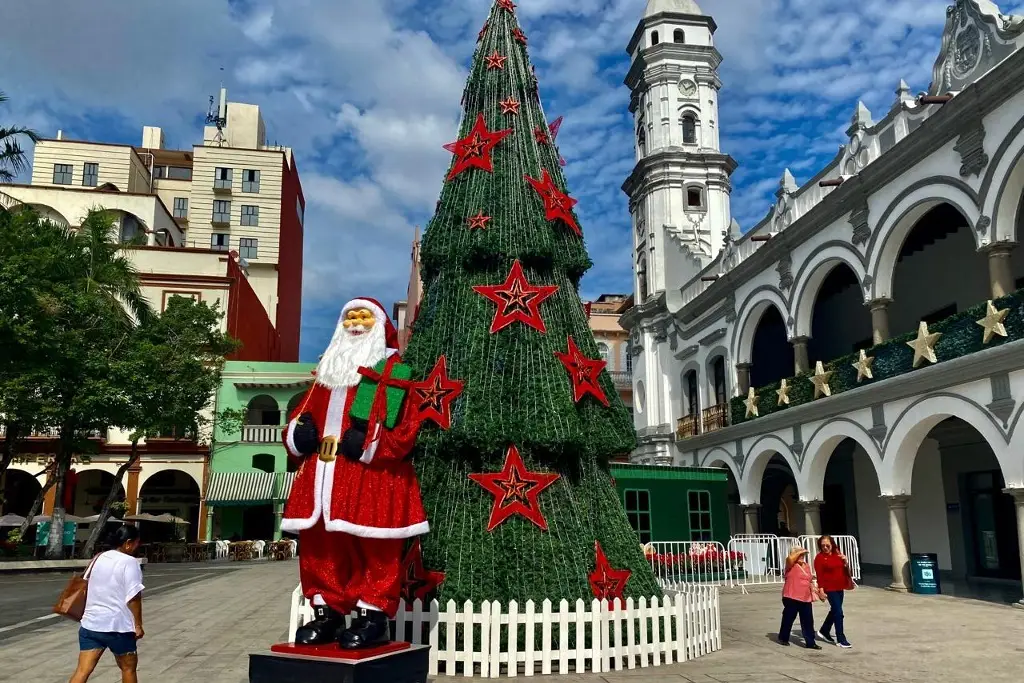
(71, 603)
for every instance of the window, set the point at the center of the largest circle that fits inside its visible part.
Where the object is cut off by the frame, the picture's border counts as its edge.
(299, 210)
(692, 397)
(638, 510)
(718, 377)
(222, 179)
(221, 211)
(654, 37)
(641, 140)
(250, 181)
(184, 173)
(62, 174)
(629, 361)
(689, 129)
(90, 174)
(181, 207)
(250, 215)
(159, 172)
(602, 348)
(263, 461)
(219, 241)
(678, 36)
(694, 198)
(700, 515)
(130, 230)
(248, 248)
(641, 278)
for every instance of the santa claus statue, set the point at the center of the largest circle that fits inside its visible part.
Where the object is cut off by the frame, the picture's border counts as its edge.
(355, 498)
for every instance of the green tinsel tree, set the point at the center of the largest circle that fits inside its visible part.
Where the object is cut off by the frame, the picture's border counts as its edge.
(516, 391)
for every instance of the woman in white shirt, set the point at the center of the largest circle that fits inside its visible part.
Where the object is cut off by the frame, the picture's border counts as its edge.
(113, 608)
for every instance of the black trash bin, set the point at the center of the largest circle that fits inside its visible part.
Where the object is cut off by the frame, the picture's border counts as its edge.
(924, 573)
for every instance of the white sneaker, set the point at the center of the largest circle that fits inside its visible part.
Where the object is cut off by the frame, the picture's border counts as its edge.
(826, 637)
(845, 645)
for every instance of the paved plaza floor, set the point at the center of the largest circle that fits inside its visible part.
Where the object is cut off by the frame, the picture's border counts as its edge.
(203, 632)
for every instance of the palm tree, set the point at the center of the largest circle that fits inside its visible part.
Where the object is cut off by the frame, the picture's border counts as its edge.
(12, 156)
(107, 270)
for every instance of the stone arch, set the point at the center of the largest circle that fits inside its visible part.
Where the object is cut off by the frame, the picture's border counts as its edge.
(1014, 471)
(756, 462)
(719, 457)
(811, 276)
(261, 409)
(49, 213)
(750, 312)
(914, 424)
(19, 491)
(151, 470)
(1002, 190)
(823, 442)
(900, 218)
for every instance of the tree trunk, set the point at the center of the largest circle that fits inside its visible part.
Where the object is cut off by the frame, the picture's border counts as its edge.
(101, 523)
(36, 506)
(9, 451)
(55, 547)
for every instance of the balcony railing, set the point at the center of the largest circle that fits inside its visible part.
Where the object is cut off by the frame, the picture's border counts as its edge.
(261, 433)
(621, 379)
(8, 202)
(687, 426)
(714, 418)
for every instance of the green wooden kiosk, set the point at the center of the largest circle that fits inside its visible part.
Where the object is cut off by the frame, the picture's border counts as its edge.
(674, 503)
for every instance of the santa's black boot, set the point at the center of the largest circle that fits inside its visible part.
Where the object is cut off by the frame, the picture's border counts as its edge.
(371, 628)
(322, 630)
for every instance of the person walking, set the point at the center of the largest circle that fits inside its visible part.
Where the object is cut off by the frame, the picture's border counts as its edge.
(797, 597)
(113, 608)
(833, 571)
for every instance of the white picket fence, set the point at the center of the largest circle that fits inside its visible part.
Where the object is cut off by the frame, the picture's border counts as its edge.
(748, 560)
(493, 641)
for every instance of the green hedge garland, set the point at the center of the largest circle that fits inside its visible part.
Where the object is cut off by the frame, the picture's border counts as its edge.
(961, 336)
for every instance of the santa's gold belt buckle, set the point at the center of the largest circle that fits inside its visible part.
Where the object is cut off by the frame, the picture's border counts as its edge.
(328, 448)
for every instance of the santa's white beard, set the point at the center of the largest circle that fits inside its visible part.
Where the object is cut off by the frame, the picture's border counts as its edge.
(339, 366)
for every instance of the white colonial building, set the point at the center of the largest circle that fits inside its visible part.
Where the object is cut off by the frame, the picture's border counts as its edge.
(915, 221)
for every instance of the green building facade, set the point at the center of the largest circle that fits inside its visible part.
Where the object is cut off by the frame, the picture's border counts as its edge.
(250, 474)
(674, 503)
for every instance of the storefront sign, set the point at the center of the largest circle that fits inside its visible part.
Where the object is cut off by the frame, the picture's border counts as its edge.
(44, 460)
(43, 533)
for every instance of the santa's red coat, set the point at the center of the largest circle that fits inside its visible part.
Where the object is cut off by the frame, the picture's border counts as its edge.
(370, 498)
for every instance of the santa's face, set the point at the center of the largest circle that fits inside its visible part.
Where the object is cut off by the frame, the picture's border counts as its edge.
(358, 321)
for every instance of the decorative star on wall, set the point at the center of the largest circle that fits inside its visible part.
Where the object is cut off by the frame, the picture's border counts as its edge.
(474, 150)
(417, 582)
(584, 373)
(605, 582)
(557, 204)
(924, 345)
(509, 106)
(515, 490)
(993, 322)
(517, 300)
(863, 366)
(434, 396)
(751, 402)
(820, 380)
(783, 393)
(495, 60)
(479, 221)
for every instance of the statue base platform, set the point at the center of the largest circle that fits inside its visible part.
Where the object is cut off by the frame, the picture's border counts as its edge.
(392, 663)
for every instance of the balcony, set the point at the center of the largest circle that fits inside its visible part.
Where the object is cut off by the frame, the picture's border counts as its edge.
(222, 187)
(53, 433)
(261, 433)
(621, 379)
(687, 426)
(710, 420)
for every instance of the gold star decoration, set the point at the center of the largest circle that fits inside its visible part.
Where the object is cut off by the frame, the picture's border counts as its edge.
(820, 380)
(863, 366)
(751, 402)
(924, 345)
(993, 322)
(783, 392)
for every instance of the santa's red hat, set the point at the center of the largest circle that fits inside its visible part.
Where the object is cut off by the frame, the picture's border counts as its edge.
(390, 333)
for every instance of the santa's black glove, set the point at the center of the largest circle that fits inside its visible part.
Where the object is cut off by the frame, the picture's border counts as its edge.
(353, 439)
(304, 435)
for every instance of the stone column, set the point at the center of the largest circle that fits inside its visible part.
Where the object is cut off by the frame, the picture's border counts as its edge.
(1018, 499)
(743, 377)
(208, 529)
(812, 517)
(899, 542)
(131, 491)
(1000, 271)
(752, 518)
(278, 514)
(879, 320)
(801, 361)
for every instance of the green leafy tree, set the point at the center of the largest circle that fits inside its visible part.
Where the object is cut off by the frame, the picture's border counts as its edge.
(12, 154)
(167, 374)
(502, 206)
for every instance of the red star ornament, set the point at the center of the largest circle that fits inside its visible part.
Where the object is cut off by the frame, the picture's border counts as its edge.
(495, 60)
(479, 221)
(509, 106)
(515, 490)
(541, 136)
(583, 372)
(417, 582)
(519, 35)
(483, 31)
(433, 397)
(507, 5)
(517, 300)
(557, 204)
(605, 582)
(474, 150)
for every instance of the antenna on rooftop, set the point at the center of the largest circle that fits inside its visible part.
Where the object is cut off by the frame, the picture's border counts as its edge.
(219, 117)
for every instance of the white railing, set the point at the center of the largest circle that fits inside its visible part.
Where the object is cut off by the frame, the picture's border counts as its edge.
(261, 433)
(8, 202)
(748, 560)
(493, 641)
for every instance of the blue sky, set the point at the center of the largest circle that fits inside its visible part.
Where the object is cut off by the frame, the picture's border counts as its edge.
(366, 92)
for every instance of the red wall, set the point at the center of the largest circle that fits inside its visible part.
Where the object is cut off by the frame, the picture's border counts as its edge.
(248, 320)
(289, 269)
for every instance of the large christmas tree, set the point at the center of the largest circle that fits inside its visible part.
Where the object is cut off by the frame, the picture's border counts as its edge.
(515, 471)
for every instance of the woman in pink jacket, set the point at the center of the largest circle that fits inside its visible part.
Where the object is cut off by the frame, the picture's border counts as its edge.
(798, 593)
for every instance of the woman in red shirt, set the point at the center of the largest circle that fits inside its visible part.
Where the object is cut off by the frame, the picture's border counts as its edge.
(832, 570)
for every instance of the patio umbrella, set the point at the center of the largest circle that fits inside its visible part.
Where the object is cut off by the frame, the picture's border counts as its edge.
(168, 518)
(11, 520)
(38, 519)
(141, 517)
(92, 519)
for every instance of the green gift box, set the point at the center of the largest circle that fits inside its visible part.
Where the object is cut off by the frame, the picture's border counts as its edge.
(396, 385)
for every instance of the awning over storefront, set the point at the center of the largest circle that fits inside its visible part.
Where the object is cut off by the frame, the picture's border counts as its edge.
(287, 479)
(240, 488)
(274, 385)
